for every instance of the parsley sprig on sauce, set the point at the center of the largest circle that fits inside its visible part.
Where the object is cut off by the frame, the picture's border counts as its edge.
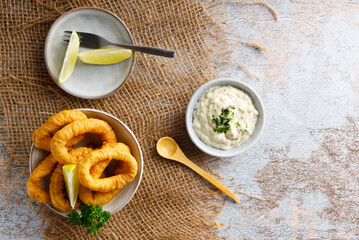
(223, 119)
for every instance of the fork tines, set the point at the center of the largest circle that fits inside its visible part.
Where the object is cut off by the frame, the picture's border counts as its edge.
(68, 34)
(67, 37)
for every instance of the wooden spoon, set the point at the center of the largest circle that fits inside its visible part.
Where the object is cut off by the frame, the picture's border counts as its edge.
(168, 148)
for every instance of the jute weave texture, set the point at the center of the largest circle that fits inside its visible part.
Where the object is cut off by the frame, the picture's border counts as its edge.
(172, 202)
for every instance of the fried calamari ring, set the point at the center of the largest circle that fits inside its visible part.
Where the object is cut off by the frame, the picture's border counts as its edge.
(96, 198)
(129, 170)
(97, 169)
(42, 135)
(118, 146)
(79, 153)
(33, 184)
(101, 198)
(56, 190)
(61, 137)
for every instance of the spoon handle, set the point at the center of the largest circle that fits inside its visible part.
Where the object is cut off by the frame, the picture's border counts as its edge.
(212, 180)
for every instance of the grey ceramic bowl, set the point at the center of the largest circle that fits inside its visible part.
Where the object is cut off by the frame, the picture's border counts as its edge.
(124, 135)
(244, 146)
(88, 81)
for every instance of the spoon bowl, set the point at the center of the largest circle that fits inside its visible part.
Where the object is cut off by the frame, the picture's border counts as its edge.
(166, 147)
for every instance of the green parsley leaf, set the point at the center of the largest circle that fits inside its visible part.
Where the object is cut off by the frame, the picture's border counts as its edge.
(74, 217)
(91, 216)
(223, 120)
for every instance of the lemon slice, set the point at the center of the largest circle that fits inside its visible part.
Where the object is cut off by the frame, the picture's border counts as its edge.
(105, 56)
(71, 182)
(69, 63)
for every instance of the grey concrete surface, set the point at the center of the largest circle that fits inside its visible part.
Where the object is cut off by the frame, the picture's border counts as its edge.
(306, 162)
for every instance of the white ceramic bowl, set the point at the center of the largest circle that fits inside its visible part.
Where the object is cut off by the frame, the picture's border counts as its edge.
(124, 135)
(88, 81)
(244, 146)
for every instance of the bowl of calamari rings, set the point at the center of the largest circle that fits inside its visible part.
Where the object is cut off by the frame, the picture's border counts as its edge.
(225, 117)
(84, 157)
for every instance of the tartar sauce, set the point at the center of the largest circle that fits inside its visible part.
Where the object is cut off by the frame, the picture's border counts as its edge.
(224, 117)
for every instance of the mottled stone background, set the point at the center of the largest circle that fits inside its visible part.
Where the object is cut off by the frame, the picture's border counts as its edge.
(306, 162)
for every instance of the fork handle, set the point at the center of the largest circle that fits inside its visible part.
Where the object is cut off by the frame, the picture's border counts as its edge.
(145, 49)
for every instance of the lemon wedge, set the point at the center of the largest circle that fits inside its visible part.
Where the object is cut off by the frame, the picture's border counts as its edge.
(69, 63)
(71, 182)
(105, 56)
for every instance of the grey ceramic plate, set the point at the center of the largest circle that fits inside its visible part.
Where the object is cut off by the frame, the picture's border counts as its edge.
(244, 146)
(88, 81)
(124, 135)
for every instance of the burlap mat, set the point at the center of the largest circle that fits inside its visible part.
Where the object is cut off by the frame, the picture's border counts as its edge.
(172, 202)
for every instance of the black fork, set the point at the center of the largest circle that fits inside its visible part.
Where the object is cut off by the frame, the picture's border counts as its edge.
(90, 40)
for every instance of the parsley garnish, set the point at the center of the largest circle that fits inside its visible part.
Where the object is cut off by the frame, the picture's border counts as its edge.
(238, 125)
(222, 121)
(91, 216)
